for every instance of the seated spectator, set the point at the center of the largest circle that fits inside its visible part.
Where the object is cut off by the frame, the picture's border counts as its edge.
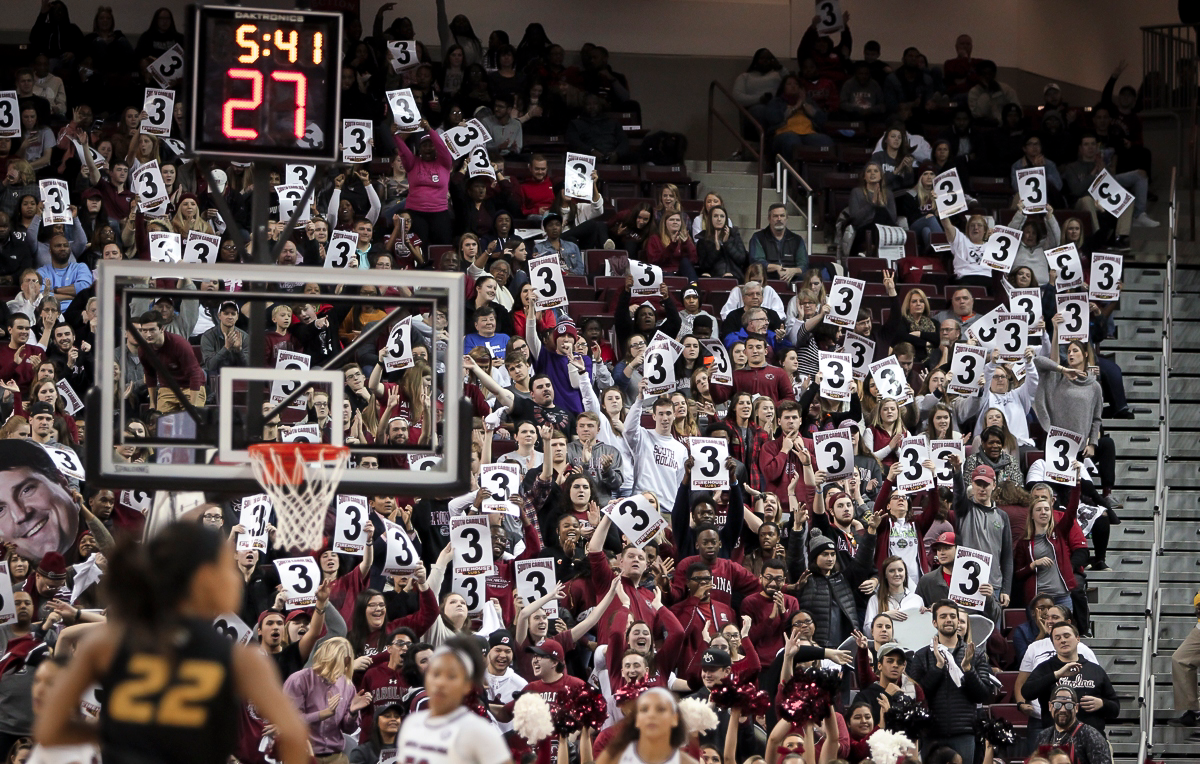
(672, 248)
(862, 96)
(755, 87)
(988, 97)
(896, 159)
(1033, 157)
(794, 119)
(822, 90)
(782, 251)
(880, 69)
(908, 90)
(960, 74)
(507, 135)
(598, 135)
(871, 204)
(719, 249)
(535, 194)
(569, 254)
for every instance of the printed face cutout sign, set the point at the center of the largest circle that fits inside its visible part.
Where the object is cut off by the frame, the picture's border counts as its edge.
(50, 521)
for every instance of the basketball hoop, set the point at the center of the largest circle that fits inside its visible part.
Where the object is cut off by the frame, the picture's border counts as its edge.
(301, 479)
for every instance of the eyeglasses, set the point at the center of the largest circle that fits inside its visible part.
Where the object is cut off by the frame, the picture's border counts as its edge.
(1060, 704)
(701, 579)
(806, 622)
(774, 579)
(212, 517)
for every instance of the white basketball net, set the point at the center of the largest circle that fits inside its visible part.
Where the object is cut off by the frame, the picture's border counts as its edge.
(300, 494)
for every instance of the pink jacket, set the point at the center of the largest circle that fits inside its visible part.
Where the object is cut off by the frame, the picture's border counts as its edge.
(428, 182)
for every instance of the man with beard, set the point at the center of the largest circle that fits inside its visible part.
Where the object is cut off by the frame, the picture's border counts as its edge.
(1048, 616)
(955, 679)
(549, 663)
(18, 360)
(769, 610)
(727, 576)
(66, 277)
(385, 681)
(75, 363)
(503, 683)
(1096, 701)
(17, 640)
(1085, 743)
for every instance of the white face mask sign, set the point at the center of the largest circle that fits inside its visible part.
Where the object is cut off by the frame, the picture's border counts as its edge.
(1074, 309)
(845, 297)
(535, 579)
(341, 247)
(471, 537)
(472, 589)
(950, 199)
(404, 110)
(890, 380)
(1062, 451)
(658, 369)
(350, 525)
(966, 369)
(165, 247)
(708, 464)
(468, 135)
(66, 460)
(1012, 336)
(637, 518)
(647, 279)
(10, 115)
(479, 163)
(56, 202)
(829, 17)
(1000, 249)
(299, 174)
(972, 569)
(546, 278)
(149, 186)
(160, 109)
(502, 481)
(300, 577)
(1110, 195)
(254, 516)
(233, 628)
(577, 176)
(1029, 303)
(403, 54)
(281, 389)
(721, 371)
(837, 375)
(301, 433)
(401, 557)
(356, 140)
(861, 351)
(834, 451)
(914, 475)
(168, 67)
(943, 468)
(289, 204)
(201, 247)
(1104, 285)
(397, 353)
(1065, 260)
(1032, 188)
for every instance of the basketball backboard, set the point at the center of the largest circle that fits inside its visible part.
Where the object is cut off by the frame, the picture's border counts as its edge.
(203, 447)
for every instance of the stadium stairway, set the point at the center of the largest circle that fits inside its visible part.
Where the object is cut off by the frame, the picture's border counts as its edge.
(737, 185)
(1118, 598)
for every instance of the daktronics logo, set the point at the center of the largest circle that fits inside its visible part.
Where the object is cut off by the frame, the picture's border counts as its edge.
(267, 16)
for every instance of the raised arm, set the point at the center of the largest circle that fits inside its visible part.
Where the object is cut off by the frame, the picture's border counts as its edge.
(503, 397)
(531, 608)
(579, 630)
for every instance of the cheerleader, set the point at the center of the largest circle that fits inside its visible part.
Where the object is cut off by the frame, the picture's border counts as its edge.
(447, 731)
(653, 734)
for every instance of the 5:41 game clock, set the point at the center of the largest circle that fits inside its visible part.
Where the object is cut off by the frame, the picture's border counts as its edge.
(266, 83)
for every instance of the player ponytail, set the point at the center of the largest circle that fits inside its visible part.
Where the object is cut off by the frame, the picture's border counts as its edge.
(145, 583)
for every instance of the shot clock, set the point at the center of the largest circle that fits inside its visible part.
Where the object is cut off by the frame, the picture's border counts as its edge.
(266, 83)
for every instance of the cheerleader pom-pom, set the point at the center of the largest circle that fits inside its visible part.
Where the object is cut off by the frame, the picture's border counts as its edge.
(998, 732)
(531, 718)
(907, 716)
(827, 680)
(807, 696)
(697, 717)
(631, 691)
(585, 708)
(744, 695)
(889, 746)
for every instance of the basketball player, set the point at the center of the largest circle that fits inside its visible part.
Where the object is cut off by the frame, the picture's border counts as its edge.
(652, 734)
(447, 732)
(172, 683)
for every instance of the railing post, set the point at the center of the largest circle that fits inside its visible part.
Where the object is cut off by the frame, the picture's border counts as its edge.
(712, 86)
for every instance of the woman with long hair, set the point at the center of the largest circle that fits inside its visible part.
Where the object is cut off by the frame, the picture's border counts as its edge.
(994, 417)
(162, 599)
(369, 626)
(653, 733)
(19, 180)
(630, 230)
(871, 204)
(746, 663)
(1042, 561)
(446, 731)
(628, 372)
(686, 424)
(894, 593)
(896, 159)
(720, 250)
(911, 320)
(940, 423)
(326, 697)
(672, 248)
(755, 87)
(888, 430)
(711, 199)
(187, 217)
(700, 391)
(763, 413)
(614, 408)
(385, 728)
(143, 149)
(916, 205)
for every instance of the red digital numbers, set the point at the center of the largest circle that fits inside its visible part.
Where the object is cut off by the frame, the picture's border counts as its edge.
(255, 77)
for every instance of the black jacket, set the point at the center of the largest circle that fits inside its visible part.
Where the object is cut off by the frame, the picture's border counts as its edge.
(826, 598)
(1092, 680)
(952, 708)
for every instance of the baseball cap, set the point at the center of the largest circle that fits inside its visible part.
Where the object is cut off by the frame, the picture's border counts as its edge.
(305, 613)
(889, 648)
(946, 539)
(985, 473)
(92, 193)
(713, 658)
(499, 638)
(551, 216)
(547, 649)
(230, 304)
(1051, 86)
(41, 407)
(691, 290)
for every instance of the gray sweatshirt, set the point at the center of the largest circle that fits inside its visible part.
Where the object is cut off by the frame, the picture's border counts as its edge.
(986, 529)
(1073, 405)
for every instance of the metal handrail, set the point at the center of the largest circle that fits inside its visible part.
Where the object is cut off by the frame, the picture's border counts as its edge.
(784, 169)
(713, 87)
(1162, 491)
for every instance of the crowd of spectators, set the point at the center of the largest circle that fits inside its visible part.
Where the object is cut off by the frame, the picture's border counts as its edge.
(787, 568)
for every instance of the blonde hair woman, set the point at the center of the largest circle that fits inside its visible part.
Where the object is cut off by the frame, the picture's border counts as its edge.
(911, 319)
(325, 697)
(968, 250)
(187, 217)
